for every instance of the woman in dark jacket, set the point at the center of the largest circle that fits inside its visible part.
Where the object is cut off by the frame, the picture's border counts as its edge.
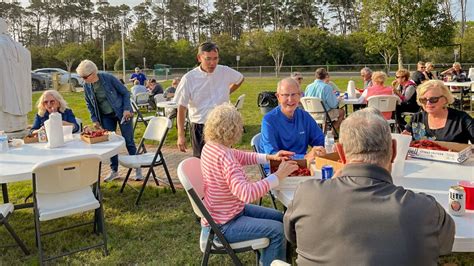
(108, 101)
(51, 101)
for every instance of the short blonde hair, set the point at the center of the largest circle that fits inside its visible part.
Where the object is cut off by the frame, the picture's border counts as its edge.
(379, 77)
(86, 67)
(434, 84)
(58, 97)
(224, 125)
(403, 73)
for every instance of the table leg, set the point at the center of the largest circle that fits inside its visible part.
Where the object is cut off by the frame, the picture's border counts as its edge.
(5, 193)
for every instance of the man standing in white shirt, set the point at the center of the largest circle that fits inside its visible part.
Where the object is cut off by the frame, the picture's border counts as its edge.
(200, 90)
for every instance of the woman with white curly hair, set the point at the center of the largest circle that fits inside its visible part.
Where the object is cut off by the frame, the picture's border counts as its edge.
(227, 190)
(49, 102)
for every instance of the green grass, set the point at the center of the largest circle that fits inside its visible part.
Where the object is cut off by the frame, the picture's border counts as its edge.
(162, 230)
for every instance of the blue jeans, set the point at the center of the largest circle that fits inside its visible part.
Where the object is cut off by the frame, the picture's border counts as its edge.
(257, 222)
(110, 122)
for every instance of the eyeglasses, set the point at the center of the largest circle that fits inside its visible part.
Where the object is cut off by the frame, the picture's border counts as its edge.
(49, 102)
(422, 67)
(431, 99)
(300, 78)
(287, 95)
(85, 77)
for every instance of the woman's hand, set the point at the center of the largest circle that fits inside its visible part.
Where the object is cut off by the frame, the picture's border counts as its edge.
(97, 125)
(394, 83)
(280, 156)
(405, 132)
(286, 168)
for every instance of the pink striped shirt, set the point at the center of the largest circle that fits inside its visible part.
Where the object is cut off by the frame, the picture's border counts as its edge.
(226, 187)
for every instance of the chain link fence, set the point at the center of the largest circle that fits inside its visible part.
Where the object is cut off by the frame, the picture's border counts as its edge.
(269, 71)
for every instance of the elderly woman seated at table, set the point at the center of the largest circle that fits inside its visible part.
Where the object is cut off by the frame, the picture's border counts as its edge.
(49, 102)
(455, 73)
(377, 88)
(405, 88)
(437, 121)
(228, 191)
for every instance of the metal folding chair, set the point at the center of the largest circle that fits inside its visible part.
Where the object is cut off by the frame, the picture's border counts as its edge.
(63, 187)
(315, 107)
(156, 130)
(255, 143)
(5, 211)
(190, 176)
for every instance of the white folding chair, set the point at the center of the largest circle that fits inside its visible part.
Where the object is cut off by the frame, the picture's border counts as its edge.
(63, 187)
(5, 211)
(255, 143)
(190, 176)
(158, 99)
(315, 107)
(156, 130)
(385, 103)
(141, 99)
(139, 116)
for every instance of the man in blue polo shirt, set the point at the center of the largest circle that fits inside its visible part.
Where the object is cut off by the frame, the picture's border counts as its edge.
(290, 128)
(138, 75)
(319, 88)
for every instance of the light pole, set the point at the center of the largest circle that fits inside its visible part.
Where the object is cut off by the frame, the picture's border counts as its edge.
(103, 53)
(123, 47)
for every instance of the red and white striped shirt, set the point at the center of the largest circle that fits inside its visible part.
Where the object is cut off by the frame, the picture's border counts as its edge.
(226, 187)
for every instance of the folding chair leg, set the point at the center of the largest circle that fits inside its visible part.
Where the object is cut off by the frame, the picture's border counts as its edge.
(126, 179)
(15, 236)
(153, 174)
(38, 236)
(273, 200)
(102, 224)
(143, 188)
(257, 257)
(168, 176)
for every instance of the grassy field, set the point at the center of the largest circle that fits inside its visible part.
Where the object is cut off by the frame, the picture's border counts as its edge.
(162, 230)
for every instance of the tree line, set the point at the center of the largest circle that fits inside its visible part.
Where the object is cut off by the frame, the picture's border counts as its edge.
(261, 32)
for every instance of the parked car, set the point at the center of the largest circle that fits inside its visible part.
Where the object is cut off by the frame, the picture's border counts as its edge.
(76, 80)
(40, 81)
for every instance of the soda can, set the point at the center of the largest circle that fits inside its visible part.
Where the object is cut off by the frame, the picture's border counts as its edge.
(326, 172)
(457, 201)
(346, 96)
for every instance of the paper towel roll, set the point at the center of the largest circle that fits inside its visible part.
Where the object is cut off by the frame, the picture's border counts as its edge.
(351, 91)
(54, 130)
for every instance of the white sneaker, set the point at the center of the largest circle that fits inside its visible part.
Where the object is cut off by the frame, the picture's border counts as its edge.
(138, 174)
(113, 175)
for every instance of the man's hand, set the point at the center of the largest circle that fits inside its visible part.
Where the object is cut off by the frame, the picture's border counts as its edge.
(128, 115)
(315, 151)
(280, 156)
(286, 168)
(181, 143)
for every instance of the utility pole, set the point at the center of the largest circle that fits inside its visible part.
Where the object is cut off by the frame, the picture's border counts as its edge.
(123, 47)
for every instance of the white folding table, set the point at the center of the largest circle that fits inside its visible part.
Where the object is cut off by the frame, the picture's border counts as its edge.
(17, 164)
(433, 178)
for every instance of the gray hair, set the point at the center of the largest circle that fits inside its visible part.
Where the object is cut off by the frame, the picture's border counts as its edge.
(365, 136)
(366, 70)
(56, 95)
(290, 81)
(86, 67)
(224, 125)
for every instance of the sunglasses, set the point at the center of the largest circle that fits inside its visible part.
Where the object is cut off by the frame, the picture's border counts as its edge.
(431, 99)
(85, 77)
(49, 102)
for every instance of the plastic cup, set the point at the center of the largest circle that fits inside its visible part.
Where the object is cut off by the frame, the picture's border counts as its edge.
(469, 193)
(67, 133)
(403, 144)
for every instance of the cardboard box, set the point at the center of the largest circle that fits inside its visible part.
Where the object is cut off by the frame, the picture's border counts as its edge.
(291, 182)
(458, 152)
(94, 140)
(331, 159)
